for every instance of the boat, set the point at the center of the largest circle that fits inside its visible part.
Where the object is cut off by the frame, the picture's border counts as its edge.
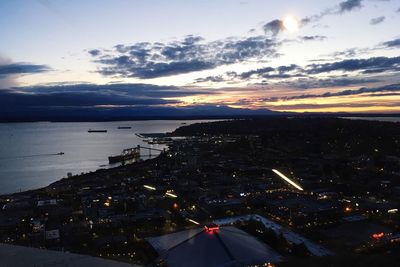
(60, 153)
(127, 154)
(124, 127)
(96, 131)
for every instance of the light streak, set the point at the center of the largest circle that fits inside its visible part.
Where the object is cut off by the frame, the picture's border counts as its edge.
(393, 211)
(287, 179)
(171, 195)
(193, 221)
(149, 187)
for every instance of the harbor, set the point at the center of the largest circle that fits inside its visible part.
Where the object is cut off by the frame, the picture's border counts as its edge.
(29, 162)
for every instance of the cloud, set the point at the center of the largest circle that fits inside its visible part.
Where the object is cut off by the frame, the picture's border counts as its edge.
(343, 7)
(73, 99)
(91, 95)
(94, 52)
(304, 76)
(310, 82)
(153, 60)
(105, 102)
(349, 5)
(274, 27)
(362, 90)
(344, 106)
(377, 20)
(21, 68)
(214, 79)
(370, 65)
(120, 89)
(351, 52)
(10, 70)
(313, 38)
(270, 72)
(392, 43)
(129, 113)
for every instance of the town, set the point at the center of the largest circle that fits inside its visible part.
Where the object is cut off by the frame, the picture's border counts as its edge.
(266, 192)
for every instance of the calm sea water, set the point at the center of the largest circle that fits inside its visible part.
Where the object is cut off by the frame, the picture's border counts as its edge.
(27, 150)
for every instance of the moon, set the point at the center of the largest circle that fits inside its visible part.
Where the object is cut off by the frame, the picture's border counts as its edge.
(291, 23)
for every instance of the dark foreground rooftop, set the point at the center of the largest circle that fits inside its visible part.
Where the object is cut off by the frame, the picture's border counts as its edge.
(227, 246)
(17, 256)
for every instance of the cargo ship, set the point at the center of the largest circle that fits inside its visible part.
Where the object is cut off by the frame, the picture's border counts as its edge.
(124, 127)
(127, 154)
(96, 131)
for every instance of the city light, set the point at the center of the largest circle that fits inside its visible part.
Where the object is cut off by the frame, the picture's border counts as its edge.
(193, 221)
(149, 187)
(287, 179)
(393, 211)
(171, 195)
(378, 235)
(211, 229)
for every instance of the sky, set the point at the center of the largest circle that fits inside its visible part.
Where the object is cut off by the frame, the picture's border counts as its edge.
(295, 56)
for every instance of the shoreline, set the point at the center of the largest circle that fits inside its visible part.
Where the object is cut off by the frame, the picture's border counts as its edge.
(100, 171)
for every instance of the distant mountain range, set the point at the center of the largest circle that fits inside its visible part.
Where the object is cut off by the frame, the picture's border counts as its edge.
(26, 114)
(131, 113)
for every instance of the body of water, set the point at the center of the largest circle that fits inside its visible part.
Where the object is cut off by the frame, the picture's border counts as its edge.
(28, 151)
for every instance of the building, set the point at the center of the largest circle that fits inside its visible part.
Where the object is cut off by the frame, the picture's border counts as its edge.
(212, 247)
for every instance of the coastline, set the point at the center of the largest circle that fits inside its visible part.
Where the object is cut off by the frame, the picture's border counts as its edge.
(88, 175)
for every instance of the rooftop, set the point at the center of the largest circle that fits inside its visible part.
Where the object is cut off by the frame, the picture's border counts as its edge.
(18, 256)
(224, 246)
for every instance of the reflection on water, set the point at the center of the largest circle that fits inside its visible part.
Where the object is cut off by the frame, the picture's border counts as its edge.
(30, 152)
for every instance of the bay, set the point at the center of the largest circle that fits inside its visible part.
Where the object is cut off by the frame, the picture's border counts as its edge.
(28, 151)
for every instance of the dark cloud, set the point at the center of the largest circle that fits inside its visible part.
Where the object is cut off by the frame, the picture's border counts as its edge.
(9, 71)
(21, 68)
(377, 20)
(269, 72)
(128, 113)
(303, 77)
(307, 20)
(363, 90)
(105, 102)
(89, 95)
(214, 79)
(228, 77)
(343, 7)
(73, 99)
(310, 82)
(274, 27)
(153, 60)
(313, 38)
(121, 89)
(257, 72)
(349, 5)
(370, 65)
(392, 43)
(310, 107)
(94, 52)
(351, 52)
